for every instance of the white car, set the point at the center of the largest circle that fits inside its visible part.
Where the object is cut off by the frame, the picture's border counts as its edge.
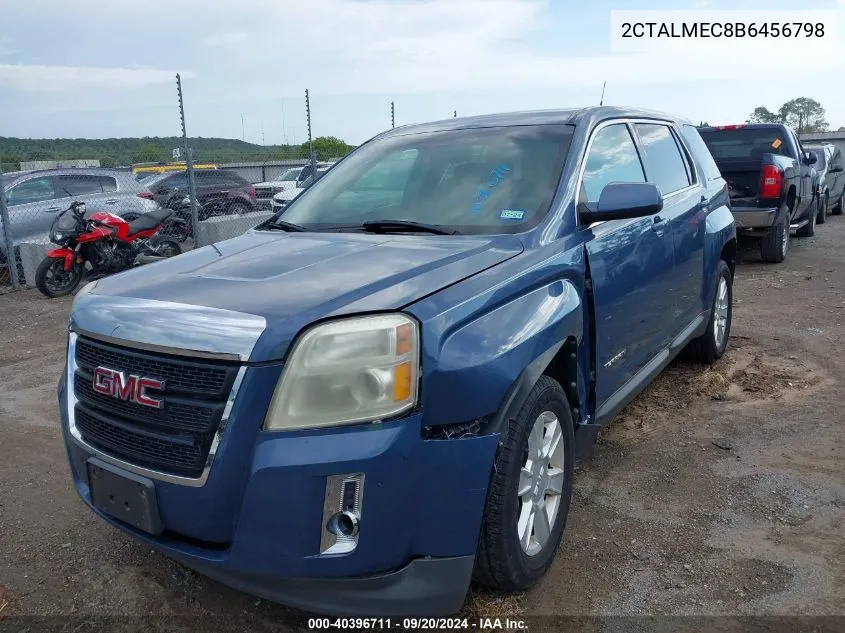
(283, 198)
(289, 180)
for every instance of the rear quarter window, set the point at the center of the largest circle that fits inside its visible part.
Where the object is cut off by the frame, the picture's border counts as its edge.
(701, 153)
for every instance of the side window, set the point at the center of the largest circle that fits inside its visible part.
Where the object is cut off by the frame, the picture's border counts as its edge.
(699, 149)
(664, 163)
(108, 183)
(79, 185)
(34, 190)
(613, 158)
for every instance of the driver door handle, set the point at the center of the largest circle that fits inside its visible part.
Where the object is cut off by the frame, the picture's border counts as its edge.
(112, 201)
(52, 209)
(659, 225)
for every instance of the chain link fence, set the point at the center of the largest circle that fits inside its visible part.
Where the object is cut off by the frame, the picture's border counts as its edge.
(215, 189)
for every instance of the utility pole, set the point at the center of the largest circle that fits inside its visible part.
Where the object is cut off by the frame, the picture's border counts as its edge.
(392, 115)
(189, 163)
(284, 129)
(456, 114)
(243, 129)
(310, 140)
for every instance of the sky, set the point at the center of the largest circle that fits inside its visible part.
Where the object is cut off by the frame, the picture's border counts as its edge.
(106, 68)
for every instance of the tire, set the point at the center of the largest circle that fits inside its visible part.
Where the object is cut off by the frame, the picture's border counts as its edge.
(237, 208)
(821, 218)
(809, 229)
(710, 346)
(68, 280)
(168, 248)
(775, 244)
(502, 562)
(837, 210)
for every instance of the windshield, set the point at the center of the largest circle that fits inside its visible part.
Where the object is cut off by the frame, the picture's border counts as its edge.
(291, 174)
(744, 143)
(488, 180)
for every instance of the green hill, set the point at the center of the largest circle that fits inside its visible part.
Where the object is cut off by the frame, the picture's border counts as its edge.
(116, 152)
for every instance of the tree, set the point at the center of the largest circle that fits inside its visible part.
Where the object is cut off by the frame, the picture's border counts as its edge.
(704, 124)
(802, 114)
(762, 114)
(326, 147)
(149, 153)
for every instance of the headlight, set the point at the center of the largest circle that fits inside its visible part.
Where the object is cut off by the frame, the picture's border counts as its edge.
(353, 370)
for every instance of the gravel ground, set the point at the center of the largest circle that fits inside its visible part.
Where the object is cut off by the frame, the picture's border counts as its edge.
(718, 492)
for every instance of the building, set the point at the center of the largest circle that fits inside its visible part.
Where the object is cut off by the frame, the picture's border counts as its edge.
(815, 138)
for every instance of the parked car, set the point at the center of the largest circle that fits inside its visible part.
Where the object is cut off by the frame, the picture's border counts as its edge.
(288, 180)
(771, 180)
(357, 409)
(35, 198)
(215, 188)
(831, 187)
(284, 198)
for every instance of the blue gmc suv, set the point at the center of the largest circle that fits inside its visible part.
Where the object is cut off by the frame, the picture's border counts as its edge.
(378, 395)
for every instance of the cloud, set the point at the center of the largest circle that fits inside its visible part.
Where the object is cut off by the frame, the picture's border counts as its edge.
(225, 39)
(37, 78)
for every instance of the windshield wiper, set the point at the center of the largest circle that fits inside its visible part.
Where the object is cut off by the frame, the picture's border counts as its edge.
(281, 225)
(381, 226)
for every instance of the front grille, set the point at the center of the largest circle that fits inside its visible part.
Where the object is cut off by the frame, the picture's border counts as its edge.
(265, 192)
(175, 438)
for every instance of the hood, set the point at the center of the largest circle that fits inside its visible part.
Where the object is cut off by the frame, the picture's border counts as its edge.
(288, 194)
(275, 184)
(285, 281)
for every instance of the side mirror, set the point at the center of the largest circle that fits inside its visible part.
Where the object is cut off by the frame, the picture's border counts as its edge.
(624, 200)
(811, 159)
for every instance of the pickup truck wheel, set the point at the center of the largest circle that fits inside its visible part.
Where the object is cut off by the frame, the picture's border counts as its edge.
(837, 210)
(775, 244)
(809, 229)
(822, 216)
(530, 492)
(710, 346)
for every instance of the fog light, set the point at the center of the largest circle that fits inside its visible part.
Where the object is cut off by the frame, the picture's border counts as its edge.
(342, 513)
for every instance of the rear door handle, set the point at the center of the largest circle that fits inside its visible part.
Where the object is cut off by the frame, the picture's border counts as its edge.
(111, 201)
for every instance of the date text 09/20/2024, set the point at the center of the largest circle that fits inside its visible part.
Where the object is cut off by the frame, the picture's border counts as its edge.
(421, 624)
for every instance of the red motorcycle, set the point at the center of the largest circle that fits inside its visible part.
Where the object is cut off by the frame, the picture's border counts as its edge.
(101, 245)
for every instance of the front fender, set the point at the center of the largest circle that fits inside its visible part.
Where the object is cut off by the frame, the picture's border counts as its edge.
(62, 253)
(475, 366)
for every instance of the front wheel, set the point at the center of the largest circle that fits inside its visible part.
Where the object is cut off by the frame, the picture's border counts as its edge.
(837, 210)
(530, 492)
(168, 248)
(821, 218)
(52, 280)
(809, 229)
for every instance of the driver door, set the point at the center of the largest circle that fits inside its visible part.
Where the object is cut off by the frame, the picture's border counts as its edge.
(631, 264)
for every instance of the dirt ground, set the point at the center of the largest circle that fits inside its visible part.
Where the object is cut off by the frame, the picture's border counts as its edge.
(718, 492)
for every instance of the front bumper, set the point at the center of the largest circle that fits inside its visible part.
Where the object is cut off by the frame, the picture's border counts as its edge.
(256, 523)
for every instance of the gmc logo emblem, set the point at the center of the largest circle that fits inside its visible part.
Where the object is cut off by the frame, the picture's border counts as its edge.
(132, 388)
